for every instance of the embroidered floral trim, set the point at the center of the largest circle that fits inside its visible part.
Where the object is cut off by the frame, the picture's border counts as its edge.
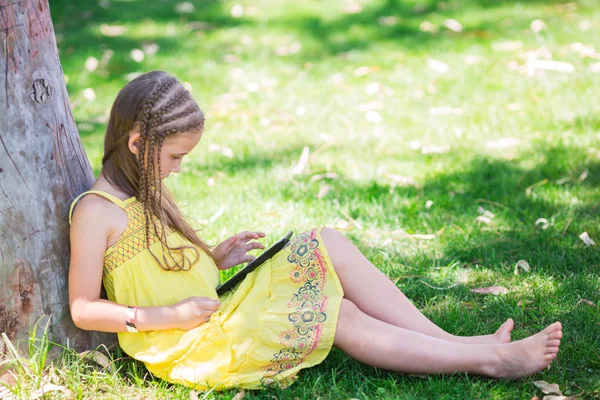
(133, 240)
(308, 307)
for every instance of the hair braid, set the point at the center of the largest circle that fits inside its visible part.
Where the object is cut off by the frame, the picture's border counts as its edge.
(158, 106)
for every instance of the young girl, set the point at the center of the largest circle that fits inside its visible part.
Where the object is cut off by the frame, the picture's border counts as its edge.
(318, 292)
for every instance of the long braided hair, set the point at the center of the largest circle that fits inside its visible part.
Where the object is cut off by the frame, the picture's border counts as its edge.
(157, 105)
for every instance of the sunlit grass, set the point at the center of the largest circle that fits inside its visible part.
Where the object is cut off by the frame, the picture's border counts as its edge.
(421, 130)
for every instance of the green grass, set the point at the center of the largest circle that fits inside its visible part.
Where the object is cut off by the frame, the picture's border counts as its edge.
(317, 97)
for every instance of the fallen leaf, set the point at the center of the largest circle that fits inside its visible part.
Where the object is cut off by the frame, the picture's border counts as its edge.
(185, 8)
(150, 49)
(302, 161)
(91, 64)
(193, 395)
(548, 388)
(542, 221)
(588, 302)
(137, 55)
(423, 236)
(427, 26)
(438, 66)
(595, 67)
(428, 204)
(554, 397)
(548, 65)
(583, 176)
(537, 25)
(387, 20)
(374, 117)
(98, 358)
(507, 45)
(240, 395)
(226, 151)
(6, 394)
(495, 290)
(483, 219)
(524, 265)
(503, 143)
(323, 191)
(237, 11)
(41, 392)
(112, 30)
(520, 302)
(373, 88)
(453, 25)
(585, 25)
(434, 149)
(352, 8)
(89, 94)
(586, 239)
(402, 180)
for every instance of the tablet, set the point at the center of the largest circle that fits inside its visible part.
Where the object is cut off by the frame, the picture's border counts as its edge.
(252, 265)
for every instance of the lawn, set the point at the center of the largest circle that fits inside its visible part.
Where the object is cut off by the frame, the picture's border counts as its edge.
(448, 140)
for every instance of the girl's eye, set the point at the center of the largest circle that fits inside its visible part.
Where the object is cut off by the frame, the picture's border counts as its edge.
(176, 157)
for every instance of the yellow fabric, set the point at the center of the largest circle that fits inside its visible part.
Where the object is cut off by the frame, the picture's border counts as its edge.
(279, 320)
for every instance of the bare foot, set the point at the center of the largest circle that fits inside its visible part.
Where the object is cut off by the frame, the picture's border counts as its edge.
(528, 356)
(503, 333)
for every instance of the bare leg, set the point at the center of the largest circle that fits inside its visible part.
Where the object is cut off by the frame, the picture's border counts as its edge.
(369, 288)
(386, 346)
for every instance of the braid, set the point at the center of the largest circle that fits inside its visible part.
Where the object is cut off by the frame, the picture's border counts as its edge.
(151, 142)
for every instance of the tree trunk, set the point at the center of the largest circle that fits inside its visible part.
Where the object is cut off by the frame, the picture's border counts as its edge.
(42, 168)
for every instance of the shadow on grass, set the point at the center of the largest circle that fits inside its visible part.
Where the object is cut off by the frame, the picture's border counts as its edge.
(77, 23)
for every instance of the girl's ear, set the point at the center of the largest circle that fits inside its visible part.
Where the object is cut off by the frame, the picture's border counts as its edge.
(134, 142)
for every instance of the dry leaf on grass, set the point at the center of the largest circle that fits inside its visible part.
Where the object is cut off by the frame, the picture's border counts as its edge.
(302, 161)
(586, 239)
(98, 358)
(6, 394)
(438, 66)
(495, 290)
(554, 397)
(524, 265)
(542, 221)
(240, 395)
(193, 395)
(453, 25)
(588, 302)
(483, 219)
(323, 191)
(41, 392)
(548, 388)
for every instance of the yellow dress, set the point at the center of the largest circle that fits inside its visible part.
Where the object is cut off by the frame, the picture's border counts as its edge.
(279, 320)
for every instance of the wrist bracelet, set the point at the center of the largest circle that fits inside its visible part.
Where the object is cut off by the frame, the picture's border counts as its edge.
(130, 319)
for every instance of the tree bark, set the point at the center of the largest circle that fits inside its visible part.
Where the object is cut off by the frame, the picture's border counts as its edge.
(42, 168)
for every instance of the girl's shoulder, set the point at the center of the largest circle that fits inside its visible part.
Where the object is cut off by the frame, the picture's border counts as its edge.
(96, 213)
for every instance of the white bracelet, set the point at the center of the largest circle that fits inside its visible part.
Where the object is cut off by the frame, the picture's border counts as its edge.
(130, 314)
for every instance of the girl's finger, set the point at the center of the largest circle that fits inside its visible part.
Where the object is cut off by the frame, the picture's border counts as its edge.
(250, 258)
(253, 245)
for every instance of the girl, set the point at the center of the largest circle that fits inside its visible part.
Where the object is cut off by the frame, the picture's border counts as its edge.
(318, 292)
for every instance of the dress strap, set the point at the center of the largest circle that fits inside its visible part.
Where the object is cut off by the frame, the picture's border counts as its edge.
(102, 193)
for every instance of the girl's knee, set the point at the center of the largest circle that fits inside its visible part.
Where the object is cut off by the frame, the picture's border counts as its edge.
(330, 234)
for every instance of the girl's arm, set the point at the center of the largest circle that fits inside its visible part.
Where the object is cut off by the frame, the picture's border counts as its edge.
(90, 230)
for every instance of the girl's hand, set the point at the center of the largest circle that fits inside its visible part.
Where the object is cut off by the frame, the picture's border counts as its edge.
(194, 311)
(233, 251)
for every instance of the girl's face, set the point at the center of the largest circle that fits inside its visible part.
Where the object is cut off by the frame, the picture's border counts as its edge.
(174, 148)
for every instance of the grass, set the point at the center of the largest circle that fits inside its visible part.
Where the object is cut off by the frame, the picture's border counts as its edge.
(288, 75)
